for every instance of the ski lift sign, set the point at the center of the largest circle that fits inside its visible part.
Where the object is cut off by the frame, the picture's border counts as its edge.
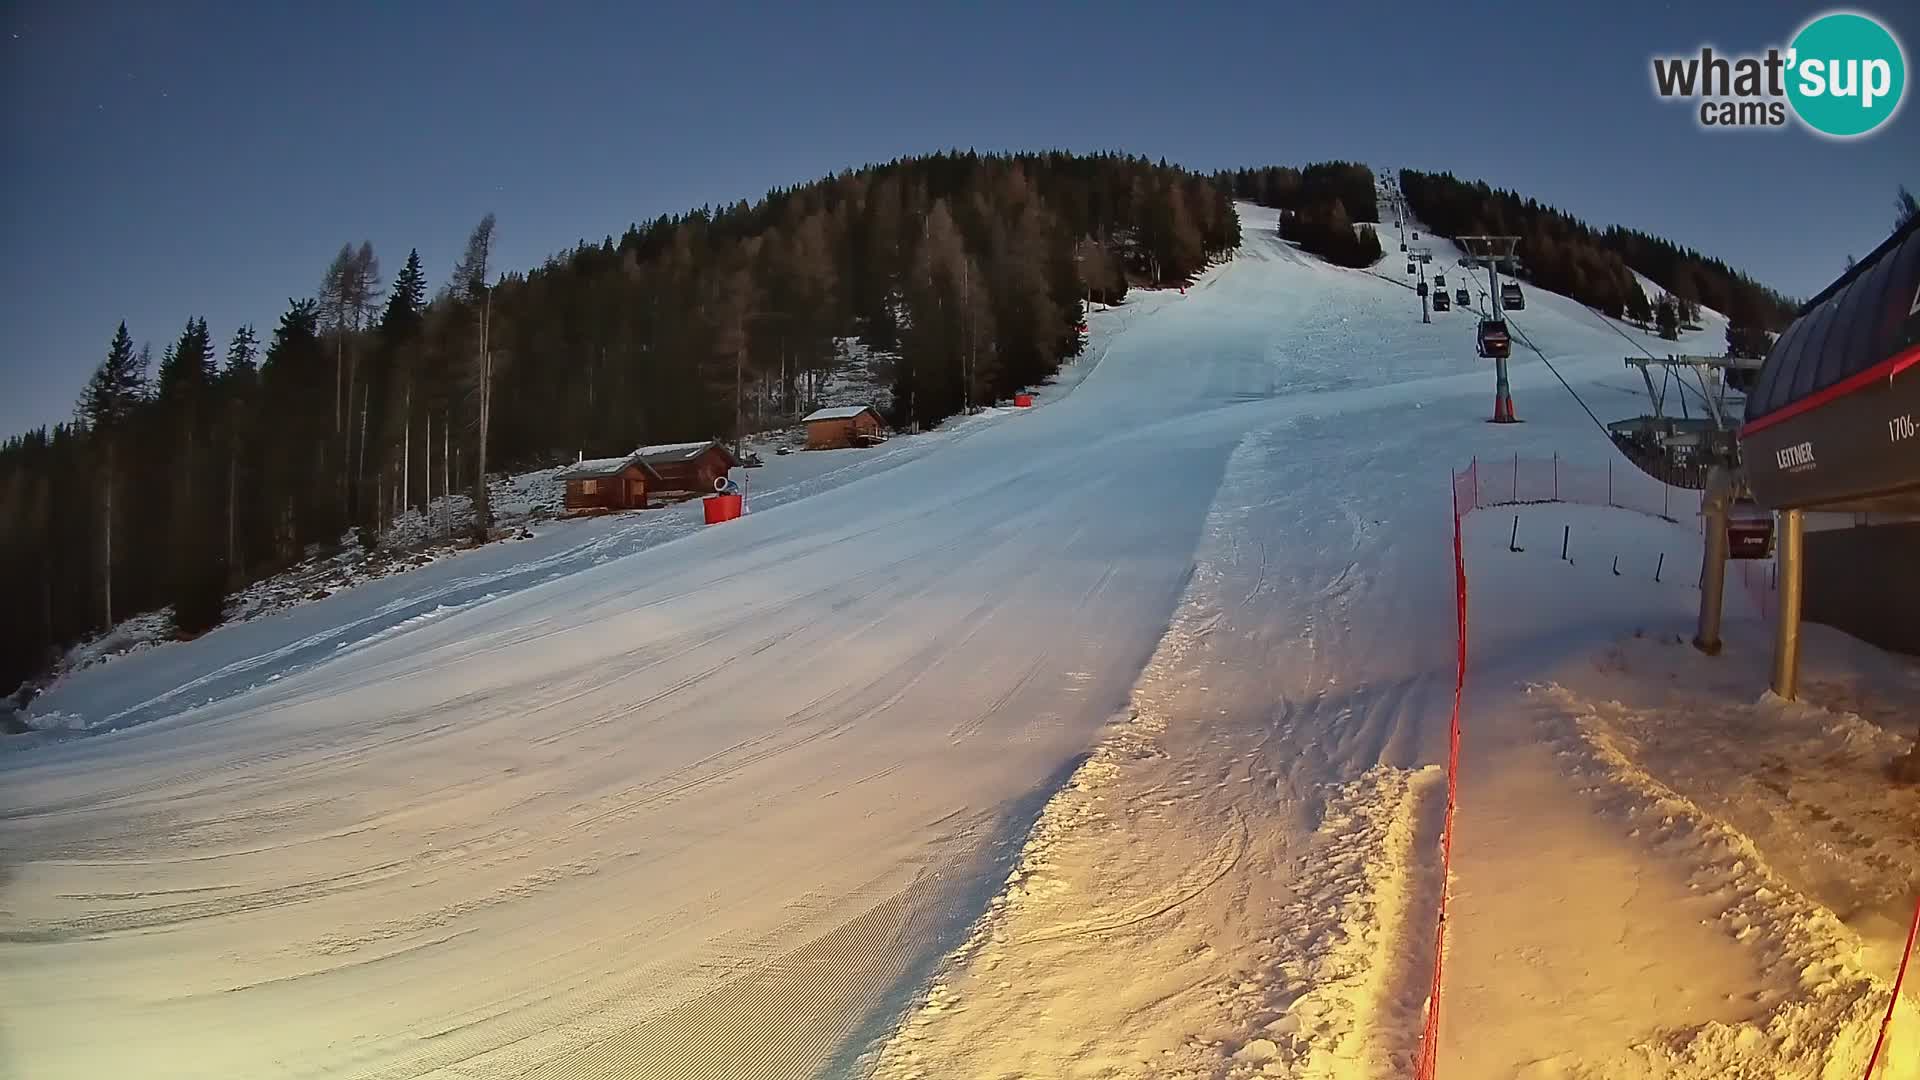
(1843, 75)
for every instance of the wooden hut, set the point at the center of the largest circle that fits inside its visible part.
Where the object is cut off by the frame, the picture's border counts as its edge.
(852, 425)
(689, 467)
(616, 483)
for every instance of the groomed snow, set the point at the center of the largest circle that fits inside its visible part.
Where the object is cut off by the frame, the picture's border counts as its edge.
(1092, 739)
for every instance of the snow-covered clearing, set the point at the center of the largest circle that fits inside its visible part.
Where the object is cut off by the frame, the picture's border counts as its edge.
(1097, 739)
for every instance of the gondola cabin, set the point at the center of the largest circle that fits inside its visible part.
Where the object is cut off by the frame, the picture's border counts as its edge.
(1512, 298)
(1493, 341)
(1440, 300)
(1749, 532)
(1462, 297)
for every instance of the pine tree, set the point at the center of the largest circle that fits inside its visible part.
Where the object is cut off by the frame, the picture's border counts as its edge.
(406, 299)
(187, 370)
(106, 406)
(295, 387)
(118, 386)
(239, 388)
(1639, 310)
(1905, 207)
(243, 352)
(398, 355)
(469, 287)
(1667, 318)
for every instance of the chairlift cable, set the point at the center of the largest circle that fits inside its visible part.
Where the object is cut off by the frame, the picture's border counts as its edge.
(1528, 342)
(1609, 324)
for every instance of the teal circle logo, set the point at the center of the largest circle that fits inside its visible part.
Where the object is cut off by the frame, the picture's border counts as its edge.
(1846, 74)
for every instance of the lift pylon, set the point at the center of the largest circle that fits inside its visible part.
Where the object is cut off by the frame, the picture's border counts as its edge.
(1491, 252)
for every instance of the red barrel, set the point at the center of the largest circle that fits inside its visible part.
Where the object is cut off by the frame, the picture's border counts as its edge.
(722, 508)
(1023, 401)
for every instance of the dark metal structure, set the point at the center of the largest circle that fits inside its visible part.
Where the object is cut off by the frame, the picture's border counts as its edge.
(1492, 340)
(1833, 422)
(1492, 251)
(1679, 450)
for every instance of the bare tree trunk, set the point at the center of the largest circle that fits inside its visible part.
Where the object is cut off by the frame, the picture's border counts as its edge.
(482, 513)
(233, 487)
(360, 468)
(107, 563)
(406, 452)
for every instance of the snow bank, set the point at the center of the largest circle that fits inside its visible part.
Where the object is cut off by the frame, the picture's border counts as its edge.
(1768, 865)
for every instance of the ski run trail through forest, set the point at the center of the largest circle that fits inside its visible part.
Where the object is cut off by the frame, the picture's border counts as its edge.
(1100, 739)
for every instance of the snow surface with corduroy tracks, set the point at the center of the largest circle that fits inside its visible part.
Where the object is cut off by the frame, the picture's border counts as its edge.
(1102, 738)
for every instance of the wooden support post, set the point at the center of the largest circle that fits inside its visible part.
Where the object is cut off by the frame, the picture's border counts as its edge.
(1786, 628)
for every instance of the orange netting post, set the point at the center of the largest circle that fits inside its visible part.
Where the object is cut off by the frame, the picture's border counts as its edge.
(1887, 1020)
(1427, 1066)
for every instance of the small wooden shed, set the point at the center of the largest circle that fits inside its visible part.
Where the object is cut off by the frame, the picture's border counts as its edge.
(851, 425)
(616, 483)
(689, 467)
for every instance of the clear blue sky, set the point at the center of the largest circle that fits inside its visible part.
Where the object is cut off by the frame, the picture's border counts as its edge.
(167, 160)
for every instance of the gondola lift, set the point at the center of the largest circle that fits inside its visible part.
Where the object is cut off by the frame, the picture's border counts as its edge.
(1492, 339)
(1749, 531)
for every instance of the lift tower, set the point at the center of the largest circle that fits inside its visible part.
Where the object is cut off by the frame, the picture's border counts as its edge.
(1491, 252)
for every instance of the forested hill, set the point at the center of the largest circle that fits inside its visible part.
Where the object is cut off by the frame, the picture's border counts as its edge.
(181, 480)
(1566, 255)
(1323, 204)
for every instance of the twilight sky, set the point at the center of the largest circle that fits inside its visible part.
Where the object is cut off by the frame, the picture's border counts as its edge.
(167, 160)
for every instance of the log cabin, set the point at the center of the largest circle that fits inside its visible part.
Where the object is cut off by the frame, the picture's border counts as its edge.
(852, 425)
(616, 483)
(689, 467)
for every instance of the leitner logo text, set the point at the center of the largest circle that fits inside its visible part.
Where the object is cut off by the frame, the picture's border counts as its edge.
(1795, 456)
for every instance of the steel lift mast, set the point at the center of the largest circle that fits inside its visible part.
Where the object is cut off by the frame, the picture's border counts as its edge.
(1491, 252)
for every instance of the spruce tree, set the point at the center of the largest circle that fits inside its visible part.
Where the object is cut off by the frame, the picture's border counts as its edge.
(1639, 310)
(118, 385)
(106, 406)
(406, 299)
(1667, 318)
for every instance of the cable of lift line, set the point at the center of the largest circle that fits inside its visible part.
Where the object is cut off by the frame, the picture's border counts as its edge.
(1528, 342)
(1705, 403)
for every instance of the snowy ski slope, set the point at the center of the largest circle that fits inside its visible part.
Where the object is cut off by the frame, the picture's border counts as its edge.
(720, 803)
